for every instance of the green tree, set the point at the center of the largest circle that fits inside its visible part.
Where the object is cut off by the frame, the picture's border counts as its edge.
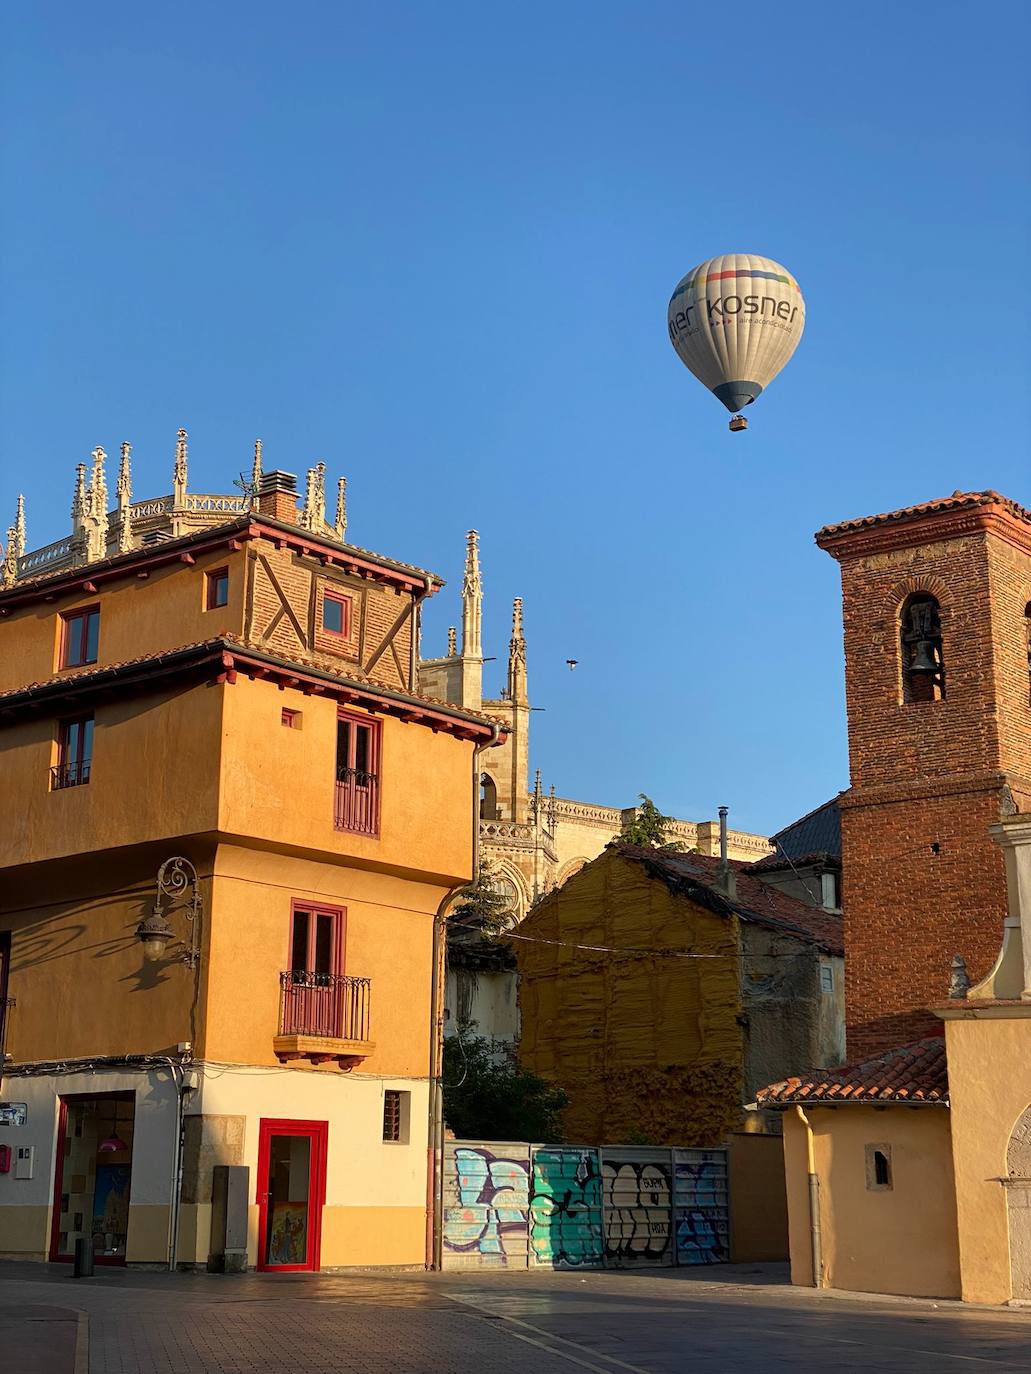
(488, 1096)
(648, 828)
(481, 904)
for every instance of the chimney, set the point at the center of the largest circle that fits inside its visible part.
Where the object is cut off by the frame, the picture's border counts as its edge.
(277, 496)
(726, 878)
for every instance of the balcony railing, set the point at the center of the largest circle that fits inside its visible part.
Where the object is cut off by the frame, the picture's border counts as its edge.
(357, 801)
(331, 1005)
(69, 774)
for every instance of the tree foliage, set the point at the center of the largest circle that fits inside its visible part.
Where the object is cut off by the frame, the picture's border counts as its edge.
(649, 828)
(482, 903)
(488, 1096)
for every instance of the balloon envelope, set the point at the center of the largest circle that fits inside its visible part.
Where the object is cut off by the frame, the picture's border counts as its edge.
(735, 321)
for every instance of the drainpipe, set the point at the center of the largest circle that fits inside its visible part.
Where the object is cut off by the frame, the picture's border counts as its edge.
(815, 1235)
(435, 1160)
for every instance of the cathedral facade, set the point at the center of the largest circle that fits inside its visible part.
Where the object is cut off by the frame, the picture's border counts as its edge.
(533, 839)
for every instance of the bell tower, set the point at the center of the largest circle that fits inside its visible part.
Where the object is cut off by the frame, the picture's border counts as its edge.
(936, 603)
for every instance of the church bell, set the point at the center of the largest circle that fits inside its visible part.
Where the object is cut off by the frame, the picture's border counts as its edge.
(925, 658)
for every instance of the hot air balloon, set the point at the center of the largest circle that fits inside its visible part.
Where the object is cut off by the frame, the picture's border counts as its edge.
(735, 321)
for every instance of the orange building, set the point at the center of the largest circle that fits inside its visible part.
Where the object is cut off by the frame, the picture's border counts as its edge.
(230, 827)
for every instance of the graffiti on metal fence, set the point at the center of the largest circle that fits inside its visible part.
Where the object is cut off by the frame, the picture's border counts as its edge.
(492, 1195)
(701, 1209)
(638, 1210)
(565, 1209)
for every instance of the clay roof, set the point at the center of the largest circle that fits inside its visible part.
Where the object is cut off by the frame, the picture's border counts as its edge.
(695, 876)
(915, 1075)
(167, 549)
(201, 651)
(959, 500)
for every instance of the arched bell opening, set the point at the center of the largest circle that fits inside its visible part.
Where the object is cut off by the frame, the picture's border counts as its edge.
(923, 659)
(488, 798)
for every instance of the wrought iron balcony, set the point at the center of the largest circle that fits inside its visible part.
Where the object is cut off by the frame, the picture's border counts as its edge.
(69, 774)
(357, 801)
(323, 1016)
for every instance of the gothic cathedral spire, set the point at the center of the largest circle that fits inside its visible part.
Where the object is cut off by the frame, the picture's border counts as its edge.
(517, 656)
(472, 600)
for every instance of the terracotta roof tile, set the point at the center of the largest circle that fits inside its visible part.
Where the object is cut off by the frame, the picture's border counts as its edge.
(959, 500)
(754, 901)
(916, 1074)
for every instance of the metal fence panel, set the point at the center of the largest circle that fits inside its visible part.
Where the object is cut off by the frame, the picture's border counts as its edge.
(701, 1206)
(486, 1205)
(637, 1190)
(566, 1208)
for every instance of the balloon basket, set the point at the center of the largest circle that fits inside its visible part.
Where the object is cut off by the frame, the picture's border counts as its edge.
(737, 423)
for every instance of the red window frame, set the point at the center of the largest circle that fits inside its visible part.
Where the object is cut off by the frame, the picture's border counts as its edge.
(318, 1133)
(74, 758)
(338, 936)
(290, 718)
(344, 602)
(358, 789)
(75, 637)
(216, 582)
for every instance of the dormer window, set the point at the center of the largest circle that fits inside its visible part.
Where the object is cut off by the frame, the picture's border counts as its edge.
(336, 614)
(923, 663)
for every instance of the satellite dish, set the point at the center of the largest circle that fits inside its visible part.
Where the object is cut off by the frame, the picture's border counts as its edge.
(735, 321)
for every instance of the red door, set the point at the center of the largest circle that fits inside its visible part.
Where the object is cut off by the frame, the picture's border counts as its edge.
(291, 1193)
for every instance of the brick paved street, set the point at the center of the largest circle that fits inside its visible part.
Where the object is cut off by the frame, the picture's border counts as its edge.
(652, 1323)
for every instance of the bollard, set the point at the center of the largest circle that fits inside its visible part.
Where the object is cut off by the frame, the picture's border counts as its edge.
(83, 1267)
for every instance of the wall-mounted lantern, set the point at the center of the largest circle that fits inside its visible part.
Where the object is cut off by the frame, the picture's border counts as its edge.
(176, 877)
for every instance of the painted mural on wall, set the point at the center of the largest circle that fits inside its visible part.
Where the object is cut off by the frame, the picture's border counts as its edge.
(516, 1205)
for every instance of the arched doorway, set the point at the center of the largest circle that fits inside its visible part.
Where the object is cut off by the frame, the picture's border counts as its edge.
(1018, 1202)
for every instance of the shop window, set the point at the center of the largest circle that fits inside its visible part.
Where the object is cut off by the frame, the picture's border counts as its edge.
(216, 592)
(878, 1169)
(923, 662)
(74, 753)
(93, 1176)
(396, 1107)
(336, 614)
(80, 637)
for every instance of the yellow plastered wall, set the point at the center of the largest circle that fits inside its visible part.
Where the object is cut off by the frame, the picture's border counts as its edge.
(901, 1240)
(647, 1048)
(154, 775)
(138, 616)
(278, 785)
(388, 938)
(989, 1088)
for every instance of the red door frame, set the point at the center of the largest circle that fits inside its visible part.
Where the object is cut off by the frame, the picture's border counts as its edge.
(318, 1134)
(55, 1257)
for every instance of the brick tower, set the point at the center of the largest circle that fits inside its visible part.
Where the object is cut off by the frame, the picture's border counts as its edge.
(936, 611)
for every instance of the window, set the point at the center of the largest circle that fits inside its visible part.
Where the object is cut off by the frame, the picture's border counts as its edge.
(357, 781)
(923, 666)
(291, 719)
(74, 753)
(312, 987)
(395, 1116)
(81, 637)
(488, 798)
(336, 614)
(826, 979)
(878, 1169)
(216, 589)
(829, 891)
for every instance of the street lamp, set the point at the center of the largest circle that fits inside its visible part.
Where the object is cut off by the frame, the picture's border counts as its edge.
(176, 876)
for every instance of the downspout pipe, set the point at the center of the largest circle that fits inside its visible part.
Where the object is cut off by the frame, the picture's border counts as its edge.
(435, 1152)
(815, 1234)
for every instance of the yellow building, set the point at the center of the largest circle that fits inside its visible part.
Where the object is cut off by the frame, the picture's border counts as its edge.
(230, 827)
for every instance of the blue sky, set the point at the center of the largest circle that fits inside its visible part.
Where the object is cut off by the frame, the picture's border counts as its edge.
(433, 246)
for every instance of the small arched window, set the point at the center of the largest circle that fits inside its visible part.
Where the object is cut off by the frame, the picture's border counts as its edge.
(488, 798)
(923, 661)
